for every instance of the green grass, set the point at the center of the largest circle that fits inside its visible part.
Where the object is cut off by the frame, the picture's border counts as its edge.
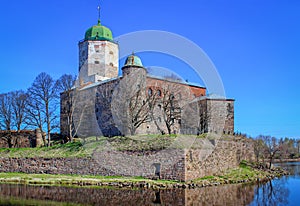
(71, 149)
(245, 172)
(74, 180)
(86, 147)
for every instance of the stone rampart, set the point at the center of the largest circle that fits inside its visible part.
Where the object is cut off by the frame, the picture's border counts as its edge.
(211, 157)
(227, 153)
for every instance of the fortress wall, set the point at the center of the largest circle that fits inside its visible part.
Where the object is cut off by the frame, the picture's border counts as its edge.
(166, 164)
(225, 155)
(82, 166)
(176, 164)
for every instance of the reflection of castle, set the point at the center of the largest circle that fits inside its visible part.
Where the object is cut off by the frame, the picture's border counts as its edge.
(136, 102)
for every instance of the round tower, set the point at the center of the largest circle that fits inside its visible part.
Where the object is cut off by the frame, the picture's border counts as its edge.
(133, 63)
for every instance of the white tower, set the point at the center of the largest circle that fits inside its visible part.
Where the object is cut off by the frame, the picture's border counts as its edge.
(98, 55)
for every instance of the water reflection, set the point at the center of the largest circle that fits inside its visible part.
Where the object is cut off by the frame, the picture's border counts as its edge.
(272, 193)
(292, 167)
(220, 195)
(283, 191)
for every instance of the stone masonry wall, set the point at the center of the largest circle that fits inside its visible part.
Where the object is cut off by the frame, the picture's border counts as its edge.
(167, 164)
(83, 166)
(211, 158)
(25, 138)
(226, 154)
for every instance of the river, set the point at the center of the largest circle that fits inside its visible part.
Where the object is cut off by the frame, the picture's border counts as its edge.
(282, 191)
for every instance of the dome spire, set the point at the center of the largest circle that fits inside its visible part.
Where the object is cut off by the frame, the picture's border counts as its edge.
(98, 8)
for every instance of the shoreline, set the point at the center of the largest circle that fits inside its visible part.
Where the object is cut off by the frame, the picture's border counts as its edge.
(260, 176)
(285, 160)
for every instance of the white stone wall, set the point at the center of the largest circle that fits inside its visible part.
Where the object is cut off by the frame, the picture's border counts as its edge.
(98, 60)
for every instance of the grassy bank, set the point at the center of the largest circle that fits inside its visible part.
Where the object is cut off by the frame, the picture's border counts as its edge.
(244, 173)
(86, 147)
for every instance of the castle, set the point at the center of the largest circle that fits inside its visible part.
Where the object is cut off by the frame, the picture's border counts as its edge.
(104, 103)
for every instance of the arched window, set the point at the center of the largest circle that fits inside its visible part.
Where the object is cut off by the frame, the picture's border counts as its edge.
(159, 93)
(150, 91)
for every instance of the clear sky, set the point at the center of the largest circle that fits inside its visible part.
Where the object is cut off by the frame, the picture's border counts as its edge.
(254, 44)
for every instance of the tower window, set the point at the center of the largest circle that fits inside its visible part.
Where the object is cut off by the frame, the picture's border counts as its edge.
(159, 93)
(97, 62)
(150, 91)
(111, 53)
(111, 64)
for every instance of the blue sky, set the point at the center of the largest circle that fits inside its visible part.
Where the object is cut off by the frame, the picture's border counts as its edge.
(255, 46)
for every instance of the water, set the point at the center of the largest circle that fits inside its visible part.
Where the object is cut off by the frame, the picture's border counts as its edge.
(283, 191)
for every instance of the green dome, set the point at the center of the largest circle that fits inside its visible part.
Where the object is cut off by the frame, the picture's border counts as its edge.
(133, 60)
(98, 32)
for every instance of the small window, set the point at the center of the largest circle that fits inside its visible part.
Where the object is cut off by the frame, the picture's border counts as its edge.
(159, 106)
(159, 93)
(97, 62)
(150, 91)
(111, 53)
(111, 64)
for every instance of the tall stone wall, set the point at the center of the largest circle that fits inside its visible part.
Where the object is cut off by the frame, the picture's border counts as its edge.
(226, 154)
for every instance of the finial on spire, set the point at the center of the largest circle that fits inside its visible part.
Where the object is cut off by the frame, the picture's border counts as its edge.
(98, 14)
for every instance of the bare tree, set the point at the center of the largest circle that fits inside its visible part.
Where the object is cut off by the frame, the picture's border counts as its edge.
(19, 105)
(132, 105)
(139, 109)
(6, 114)
(174, 97)
(272, 147)
(69, 98)
(6, 118)
(42, 104)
